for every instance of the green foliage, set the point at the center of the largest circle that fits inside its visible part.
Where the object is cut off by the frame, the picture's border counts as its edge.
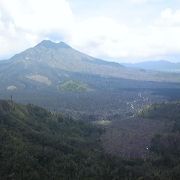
(73, 86)
(36, 144)
(162, 111)
(165, 147)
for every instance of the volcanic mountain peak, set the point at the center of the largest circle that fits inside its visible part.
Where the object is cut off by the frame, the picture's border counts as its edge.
(50, 44)
(49, 57)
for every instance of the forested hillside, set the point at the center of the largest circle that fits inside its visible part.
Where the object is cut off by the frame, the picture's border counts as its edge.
(153, 135)
(166, 145)
(36, 144)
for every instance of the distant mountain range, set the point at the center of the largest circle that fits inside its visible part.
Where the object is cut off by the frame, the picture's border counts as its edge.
(161, 65)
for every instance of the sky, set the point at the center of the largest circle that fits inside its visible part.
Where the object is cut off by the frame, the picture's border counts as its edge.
(114, 30)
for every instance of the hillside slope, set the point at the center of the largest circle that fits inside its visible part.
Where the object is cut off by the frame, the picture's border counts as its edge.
(48, 63)
(131, 136)
(154, 134)
(36, 144)
(58, 77)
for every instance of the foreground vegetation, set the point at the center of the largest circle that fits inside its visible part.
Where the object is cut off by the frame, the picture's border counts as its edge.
(37, 144)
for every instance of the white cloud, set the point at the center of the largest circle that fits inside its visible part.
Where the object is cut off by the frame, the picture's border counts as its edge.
(99, 36)
(24, 23)
(143, 1)
(169, 17)
(38, 16)
(105, 37)
(140, 1)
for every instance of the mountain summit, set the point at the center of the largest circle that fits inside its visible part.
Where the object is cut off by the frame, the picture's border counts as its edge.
(55, 75)
(49, 63)
(50, 44)
(63, 57)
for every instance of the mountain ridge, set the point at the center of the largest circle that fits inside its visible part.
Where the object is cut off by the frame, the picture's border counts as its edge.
(50, 44)
(63, 57)
(160, 65)
(48, 64)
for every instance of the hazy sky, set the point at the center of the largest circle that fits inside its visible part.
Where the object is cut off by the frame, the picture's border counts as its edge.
(121, 30)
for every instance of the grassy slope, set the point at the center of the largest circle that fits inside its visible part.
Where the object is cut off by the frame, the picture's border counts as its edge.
(73, 86)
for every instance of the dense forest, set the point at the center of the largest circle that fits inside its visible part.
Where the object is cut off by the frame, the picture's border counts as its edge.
(38, 144)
